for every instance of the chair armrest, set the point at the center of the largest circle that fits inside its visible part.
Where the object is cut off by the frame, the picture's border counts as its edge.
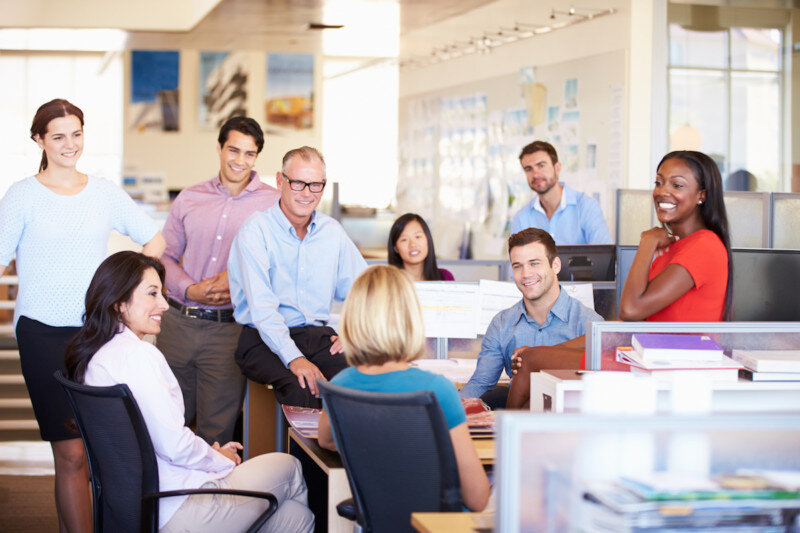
(254, 527)
(347, 509)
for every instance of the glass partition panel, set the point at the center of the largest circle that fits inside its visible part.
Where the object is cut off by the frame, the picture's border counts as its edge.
(786, 220)
(634, 214)
(647, 473)
(603, 338)
(748, 219)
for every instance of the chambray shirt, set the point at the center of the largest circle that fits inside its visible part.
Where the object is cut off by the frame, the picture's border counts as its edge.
(278, 281)
(200, 227)
(578, 220)
(512, 328)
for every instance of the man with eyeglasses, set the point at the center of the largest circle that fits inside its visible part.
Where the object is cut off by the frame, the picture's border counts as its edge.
(198, 334)
(286, 267)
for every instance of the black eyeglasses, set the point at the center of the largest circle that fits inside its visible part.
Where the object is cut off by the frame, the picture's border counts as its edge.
(297, 185)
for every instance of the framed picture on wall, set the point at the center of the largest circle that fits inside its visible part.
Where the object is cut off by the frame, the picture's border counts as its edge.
(154, 90)
(289, 98)
(222, 87)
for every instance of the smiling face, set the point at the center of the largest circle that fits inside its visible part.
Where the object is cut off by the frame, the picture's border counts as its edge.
(541, 173)
(534, 275)
(142, 313)
(677, 193)
(298, 205)
(237, 157)
(412, 245)
(63, 141)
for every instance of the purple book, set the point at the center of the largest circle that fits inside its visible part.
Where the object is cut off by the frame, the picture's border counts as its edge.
(676, 347)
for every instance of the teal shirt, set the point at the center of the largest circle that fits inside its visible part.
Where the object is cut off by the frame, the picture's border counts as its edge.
(410, 380)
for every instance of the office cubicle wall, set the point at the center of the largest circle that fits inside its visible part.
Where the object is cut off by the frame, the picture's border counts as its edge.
(748, 218)
(785, 220)
(602, 338)
(635, 214)
(765, 283)
(560, 472)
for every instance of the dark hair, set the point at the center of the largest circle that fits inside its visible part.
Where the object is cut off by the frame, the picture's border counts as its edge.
(57, 108)
(430, 271)
(540, 146)
(113, 284)
(530, 235)
(712, 210)
(245, 125)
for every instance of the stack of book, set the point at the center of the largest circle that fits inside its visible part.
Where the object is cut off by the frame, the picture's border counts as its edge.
(662, 501)
(769, 365)
(667, 356)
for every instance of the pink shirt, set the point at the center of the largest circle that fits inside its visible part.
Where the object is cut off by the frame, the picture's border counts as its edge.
(200, 228)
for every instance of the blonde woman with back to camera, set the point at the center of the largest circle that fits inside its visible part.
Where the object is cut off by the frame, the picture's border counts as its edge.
(381, 330)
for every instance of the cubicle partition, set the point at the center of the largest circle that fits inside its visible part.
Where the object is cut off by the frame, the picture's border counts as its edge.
(572, 472)
(602, 338)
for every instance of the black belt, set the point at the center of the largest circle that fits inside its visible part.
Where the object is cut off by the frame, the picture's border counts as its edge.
(217, 315)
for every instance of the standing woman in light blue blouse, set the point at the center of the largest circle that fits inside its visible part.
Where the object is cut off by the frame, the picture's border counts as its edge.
(58, 223)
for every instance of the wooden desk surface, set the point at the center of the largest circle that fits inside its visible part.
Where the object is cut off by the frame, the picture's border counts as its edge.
(327, 459)
(451, 522)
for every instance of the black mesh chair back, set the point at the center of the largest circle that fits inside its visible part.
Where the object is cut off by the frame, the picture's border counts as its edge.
(397, 452)
(123, 463)
(121, 457)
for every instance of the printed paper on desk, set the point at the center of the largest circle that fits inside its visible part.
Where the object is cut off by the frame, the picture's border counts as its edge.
(581, 292)
(495, 296)
(449, 309)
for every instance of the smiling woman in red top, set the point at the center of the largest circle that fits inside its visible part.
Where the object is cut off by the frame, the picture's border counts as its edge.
(690, 278)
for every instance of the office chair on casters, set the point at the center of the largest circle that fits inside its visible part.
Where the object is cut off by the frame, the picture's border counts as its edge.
(397, 453)
(123, 463)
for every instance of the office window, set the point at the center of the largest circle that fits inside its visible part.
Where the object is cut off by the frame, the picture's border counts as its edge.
(90, 80)
(726, 99)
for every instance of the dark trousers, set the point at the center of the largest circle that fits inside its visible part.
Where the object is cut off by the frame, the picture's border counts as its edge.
(261, 365)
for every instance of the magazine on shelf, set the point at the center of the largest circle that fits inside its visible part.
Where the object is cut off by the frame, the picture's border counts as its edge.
(676, 347)
(769, 376)
(724, 369)
(304, 419)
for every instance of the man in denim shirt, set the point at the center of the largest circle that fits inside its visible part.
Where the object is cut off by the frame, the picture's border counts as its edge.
(545, 316)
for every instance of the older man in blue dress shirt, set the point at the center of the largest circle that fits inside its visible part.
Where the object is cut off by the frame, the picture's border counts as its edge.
(286, 267)
(569, 216)
(545, 315)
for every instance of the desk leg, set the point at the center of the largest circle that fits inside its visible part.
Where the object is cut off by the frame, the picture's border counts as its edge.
(260, 408)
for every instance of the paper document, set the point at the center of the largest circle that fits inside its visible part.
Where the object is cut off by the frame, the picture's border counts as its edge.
(580, 291)
(449, 309)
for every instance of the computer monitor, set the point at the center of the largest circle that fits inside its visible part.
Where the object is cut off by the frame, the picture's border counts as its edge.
(765, 286)
(587, 262)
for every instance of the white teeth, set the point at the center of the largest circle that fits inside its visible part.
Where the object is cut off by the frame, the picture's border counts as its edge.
(665, 205)
(156, 318)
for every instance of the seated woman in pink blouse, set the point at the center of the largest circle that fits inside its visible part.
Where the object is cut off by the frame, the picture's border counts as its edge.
(124, 303)
(411, 249)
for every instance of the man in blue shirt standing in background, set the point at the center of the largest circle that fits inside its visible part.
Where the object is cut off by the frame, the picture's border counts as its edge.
(571, 217)
(286, 266)
(545, 316)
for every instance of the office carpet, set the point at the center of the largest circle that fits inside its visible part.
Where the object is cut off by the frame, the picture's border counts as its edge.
(27, 504)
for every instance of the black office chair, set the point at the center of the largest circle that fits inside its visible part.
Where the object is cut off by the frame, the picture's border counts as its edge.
(123, 463)
(398, 455)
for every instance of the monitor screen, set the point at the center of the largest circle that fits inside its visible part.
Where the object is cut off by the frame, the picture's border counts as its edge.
(765, 287)
(587, 262)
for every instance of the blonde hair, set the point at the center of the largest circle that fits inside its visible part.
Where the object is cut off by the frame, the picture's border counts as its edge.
(382, 319)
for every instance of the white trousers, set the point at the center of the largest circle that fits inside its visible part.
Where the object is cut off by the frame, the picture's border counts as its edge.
(278, 473)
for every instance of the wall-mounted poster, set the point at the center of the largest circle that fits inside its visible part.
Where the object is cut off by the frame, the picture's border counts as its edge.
(223, 87)
(290, 90)
(154, 90)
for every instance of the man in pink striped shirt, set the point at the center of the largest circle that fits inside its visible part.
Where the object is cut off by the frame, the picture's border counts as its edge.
(198, 333)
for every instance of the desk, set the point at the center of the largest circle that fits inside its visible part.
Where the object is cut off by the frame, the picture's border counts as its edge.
(452, 522)
(560, 394)
(327, 481)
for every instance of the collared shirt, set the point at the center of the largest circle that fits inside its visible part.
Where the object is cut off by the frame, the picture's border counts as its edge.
(578, 219)
(184, 460)
(279, 281)
(512, 328)
(201, 225)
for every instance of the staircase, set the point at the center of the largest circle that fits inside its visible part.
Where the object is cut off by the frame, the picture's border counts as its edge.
(16, 414)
